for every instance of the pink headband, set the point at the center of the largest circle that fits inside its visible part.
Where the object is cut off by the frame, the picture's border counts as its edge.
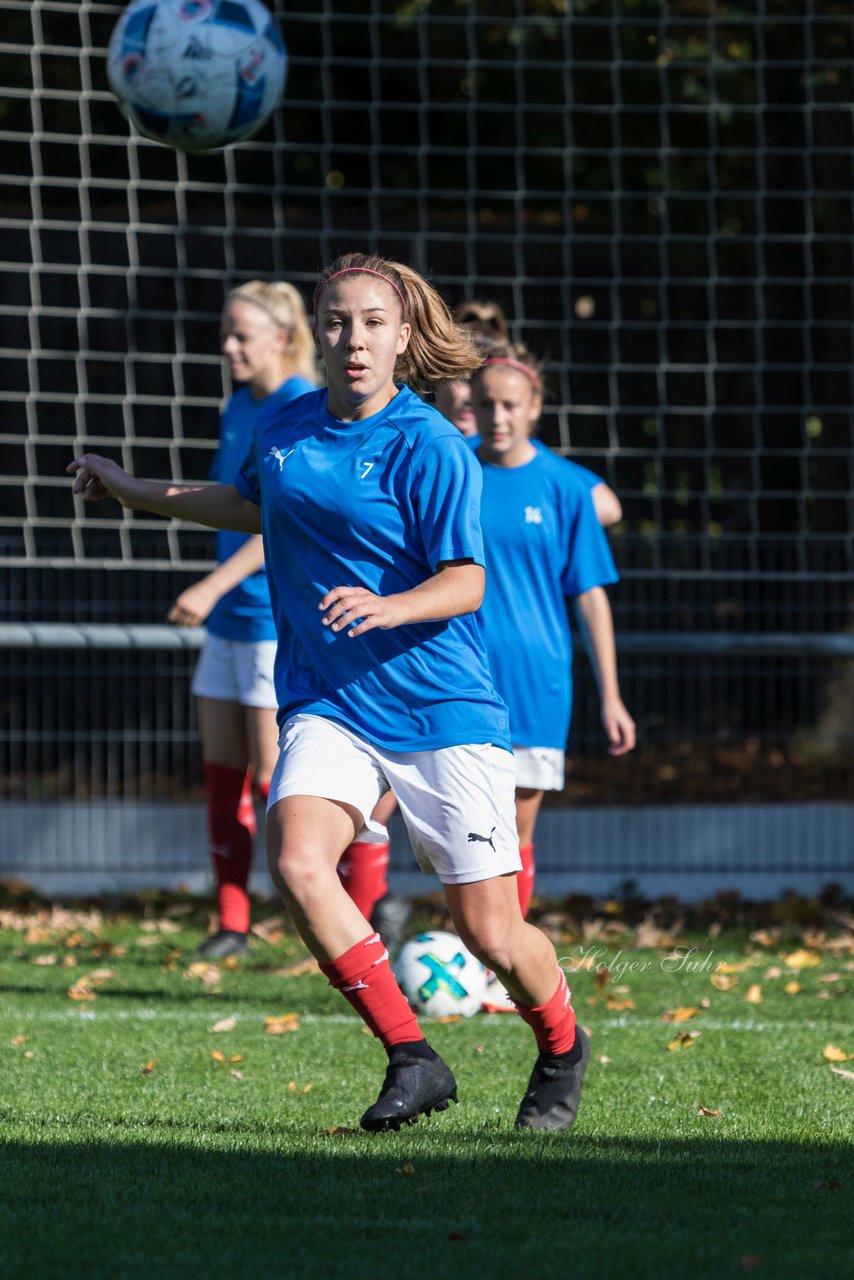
(515, 364)
(367, 271)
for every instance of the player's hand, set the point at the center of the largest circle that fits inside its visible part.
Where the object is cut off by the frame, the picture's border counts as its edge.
(193, 605)
(96, 478)
(345, 606)
(619, 727)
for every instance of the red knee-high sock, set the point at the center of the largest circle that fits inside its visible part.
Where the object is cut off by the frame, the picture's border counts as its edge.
(363, 976)
(362, 871)
(553, 1023)
(231, 831)
(525, 878)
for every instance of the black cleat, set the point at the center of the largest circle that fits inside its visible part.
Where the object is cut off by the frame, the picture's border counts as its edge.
(554, 1090)
(225, 942)
(389, 919)
(413, 1087)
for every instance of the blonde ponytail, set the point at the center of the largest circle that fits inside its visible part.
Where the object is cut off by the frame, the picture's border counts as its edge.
(438, 347)
(285, 307)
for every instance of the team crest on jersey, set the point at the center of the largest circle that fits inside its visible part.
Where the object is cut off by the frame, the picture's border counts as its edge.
(533, 515)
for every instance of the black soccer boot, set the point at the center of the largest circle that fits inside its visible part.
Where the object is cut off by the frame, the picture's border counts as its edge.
(554, 1089)
(413, 1086)
(225, 942)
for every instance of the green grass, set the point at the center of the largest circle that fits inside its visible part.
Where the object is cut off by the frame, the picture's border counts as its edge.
(207, 1168)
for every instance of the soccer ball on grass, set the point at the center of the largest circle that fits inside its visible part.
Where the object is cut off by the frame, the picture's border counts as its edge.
(197, 74)
(439, 976)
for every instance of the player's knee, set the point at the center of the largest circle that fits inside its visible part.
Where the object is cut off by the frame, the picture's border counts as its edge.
(294, 873)
(491, 941)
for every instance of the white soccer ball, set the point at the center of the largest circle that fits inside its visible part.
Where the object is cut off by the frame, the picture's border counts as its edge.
(439, 976)
(197, 74)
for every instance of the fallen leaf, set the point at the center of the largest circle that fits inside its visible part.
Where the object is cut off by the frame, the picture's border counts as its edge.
(479, 1048)
(830, 1185)
(753, 994)
(774, 972)
(681, 1014)
(707, 1111)
(724, 981)
(293, 1087)
(18, 1040)
(98, 977)
(339, 1131)
(237, 1075)
(80, 992)
(230, 962)
(684, 1040)
(833, 1054)
(731, 966)
(616, 1006)
(207, 973)
(49, 958)
(217, 1056)
(406, 1167)
(825, 977)
(603, 1057)
(297, 969)
(29, 1054)
(149, 1067)
(601, 978)
(278, 1025)
(449, 1017)
(802, 959)
(840, 1071)
(147, 941)
(225, 1024)
(792, 988)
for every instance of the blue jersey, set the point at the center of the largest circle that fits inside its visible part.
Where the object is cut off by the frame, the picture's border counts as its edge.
(378, 503)
(244, 613)
(588, 478)
(543, 543)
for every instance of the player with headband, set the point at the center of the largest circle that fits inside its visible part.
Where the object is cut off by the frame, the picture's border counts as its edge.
(368, 504)
(544, 545)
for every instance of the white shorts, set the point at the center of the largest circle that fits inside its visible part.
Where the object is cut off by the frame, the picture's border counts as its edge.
(458, 803)
(540, 768)
(236, 671)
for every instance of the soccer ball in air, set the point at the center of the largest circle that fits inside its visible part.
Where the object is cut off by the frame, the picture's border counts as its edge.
(197, 74)
(439, 977)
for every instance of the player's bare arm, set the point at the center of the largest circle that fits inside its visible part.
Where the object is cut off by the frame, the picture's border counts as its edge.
(455, 588)
(593, 610)
(219, 506)
(195, 603)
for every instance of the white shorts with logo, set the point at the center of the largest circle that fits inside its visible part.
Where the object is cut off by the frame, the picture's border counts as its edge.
(458, 803)
(236, 671)
(540, 768)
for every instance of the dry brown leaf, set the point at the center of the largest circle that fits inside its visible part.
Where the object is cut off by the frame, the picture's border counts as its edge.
(339, 1131)
(225, 1024)
(281, 1023)
(98, 977)
(271, 930)
(681, 1014)
(147, 941)
(830, 977)
(684, 1040)
(207, 973)
(802, 959)
(68, 962)
(80, 992)
(723, 981)
(616, 1006)
(603, 1058)
(792, 988)
(601, 978)
(449, 1017)
(217, 1055)
(293, 1087)
(753, 994)
(49, 958)
(29, 1054)
(707, 1111)
(406, 1167)
(731, 966)
(774, 972)
(840, 1071)
(149, 1067)
(297, 970)
(834, 1054)
(18, 1040)
(237, 1075)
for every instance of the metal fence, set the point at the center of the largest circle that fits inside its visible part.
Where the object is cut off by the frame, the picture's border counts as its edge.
(660, 196)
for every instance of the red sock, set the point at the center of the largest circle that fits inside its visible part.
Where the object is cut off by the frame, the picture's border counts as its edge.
(363, 976)
(261, 790)
(553, 1024)
(525, 878)
(362, 871)
(231, 831)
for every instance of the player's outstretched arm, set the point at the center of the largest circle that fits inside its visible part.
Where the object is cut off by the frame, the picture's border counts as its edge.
(593, 610)
(455, 588)
(219, 506)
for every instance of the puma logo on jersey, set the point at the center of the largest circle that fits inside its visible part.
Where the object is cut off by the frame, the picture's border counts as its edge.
(280, 457)
(473, 836)
(533, 515)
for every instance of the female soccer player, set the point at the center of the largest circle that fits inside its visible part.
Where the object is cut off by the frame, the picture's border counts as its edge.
(544, 545)
(268, 344)
(368, 503)
(485, 323)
